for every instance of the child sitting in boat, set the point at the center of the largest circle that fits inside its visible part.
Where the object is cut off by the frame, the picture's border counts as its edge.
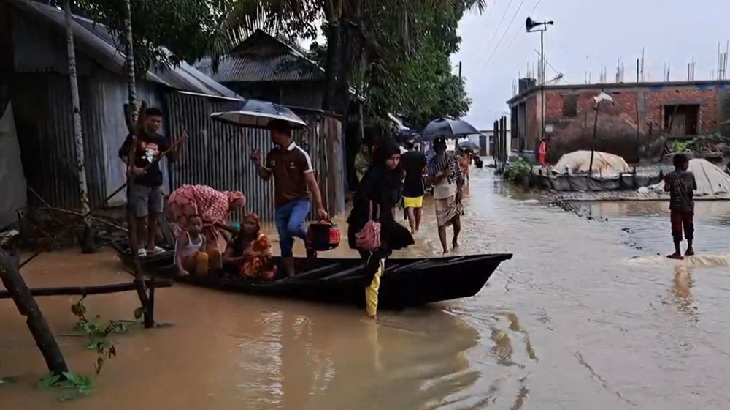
(250, 251)
(189, 251)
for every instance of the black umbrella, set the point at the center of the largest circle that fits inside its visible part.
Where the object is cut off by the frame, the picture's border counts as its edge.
(449, 128)
(468, 145)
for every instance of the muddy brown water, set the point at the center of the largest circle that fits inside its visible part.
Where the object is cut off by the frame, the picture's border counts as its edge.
(586, 315)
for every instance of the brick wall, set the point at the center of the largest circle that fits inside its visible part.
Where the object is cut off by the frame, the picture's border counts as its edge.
(653, 102)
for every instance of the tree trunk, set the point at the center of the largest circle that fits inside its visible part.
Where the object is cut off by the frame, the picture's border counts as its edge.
(134, 120)
(76, 116)
(332, 35)
(27, 306)
(130, 58)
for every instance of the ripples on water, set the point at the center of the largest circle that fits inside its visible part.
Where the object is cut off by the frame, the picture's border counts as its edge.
(574, 320)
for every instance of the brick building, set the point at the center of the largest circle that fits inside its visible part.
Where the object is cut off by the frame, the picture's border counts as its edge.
(678, 108)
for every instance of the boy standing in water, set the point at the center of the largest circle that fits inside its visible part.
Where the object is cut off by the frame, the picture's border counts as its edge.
(681, 185)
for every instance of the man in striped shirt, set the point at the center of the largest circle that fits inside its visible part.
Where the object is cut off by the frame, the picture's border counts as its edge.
(444, 173)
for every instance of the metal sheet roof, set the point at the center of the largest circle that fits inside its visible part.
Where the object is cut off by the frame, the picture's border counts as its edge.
(96, 41)
(247, 69)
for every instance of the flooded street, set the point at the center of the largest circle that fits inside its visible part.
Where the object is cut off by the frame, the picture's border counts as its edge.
(586, 315)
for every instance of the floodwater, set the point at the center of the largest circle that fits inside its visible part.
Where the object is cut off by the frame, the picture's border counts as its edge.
(587, 315)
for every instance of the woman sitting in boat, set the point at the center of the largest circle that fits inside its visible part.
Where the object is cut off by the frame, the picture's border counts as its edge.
(250, 251)
(189, 252)
(212, 206)
(375, 198)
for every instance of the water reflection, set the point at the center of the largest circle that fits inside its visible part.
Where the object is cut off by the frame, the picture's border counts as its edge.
(683, 283)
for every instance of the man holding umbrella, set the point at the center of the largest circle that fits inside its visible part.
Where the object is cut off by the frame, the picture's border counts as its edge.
(294, 180)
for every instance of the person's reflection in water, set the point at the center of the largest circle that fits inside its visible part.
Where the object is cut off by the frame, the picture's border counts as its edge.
(297, 364)
(372, 333)
(682, 290)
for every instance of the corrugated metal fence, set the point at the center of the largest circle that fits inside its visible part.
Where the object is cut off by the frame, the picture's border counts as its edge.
(43, 117)
(218, 155)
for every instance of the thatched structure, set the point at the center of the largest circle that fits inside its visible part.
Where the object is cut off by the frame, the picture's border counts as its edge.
(615, 133)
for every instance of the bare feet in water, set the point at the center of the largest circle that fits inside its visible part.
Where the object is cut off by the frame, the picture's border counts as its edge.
(690, 252)
(676, 256)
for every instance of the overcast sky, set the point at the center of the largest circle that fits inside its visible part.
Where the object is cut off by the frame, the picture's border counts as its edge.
(586, 36)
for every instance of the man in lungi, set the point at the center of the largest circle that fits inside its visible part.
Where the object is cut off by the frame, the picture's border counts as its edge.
(444, 173)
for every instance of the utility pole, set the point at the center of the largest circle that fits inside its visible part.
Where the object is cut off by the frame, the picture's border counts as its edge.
(541, 28)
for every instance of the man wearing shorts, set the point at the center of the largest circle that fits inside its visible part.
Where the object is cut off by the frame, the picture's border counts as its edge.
(294, 180)
(145, 199)
(413, 163)
(681, 185)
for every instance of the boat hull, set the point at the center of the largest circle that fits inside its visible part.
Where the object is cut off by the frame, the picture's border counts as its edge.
(406, 283)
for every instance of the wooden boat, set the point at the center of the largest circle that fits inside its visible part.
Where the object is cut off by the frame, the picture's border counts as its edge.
(406, 283)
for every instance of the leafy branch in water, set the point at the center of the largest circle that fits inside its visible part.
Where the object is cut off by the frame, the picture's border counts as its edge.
(98, 333)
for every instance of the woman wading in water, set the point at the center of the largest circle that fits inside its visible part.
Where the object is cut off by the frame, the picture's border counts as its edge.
(378, 193)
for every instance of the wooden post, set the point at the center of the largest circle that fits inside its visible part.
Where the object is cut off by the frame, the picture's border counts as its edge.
(27, 306)
(148, 320)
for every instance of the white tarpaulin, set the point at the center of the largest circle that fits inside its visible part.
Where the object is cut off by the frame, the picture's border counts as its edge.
(604, 164)
(711, 179)
(12, 180)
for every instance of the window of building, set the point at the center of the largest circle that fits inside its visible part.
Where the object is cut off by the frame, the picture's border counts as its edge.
(570, 105)
(681, 119)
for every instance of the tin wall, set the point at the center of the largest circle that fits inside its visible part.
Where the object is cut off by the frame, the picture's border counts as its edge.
(107, 94)
(218, 155)
(43, 117)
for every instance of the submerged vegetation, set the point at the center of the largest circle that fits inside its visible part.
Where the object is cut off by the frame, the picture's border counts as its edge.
(518, 171)
(97, 333)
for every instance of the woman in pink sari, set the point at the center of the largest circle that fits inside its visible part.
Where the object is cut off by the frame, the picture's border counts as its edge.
(211, 205)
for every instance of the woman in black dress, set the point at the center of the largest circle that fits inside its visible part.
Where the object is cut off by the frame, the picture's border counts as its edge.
(381, 189)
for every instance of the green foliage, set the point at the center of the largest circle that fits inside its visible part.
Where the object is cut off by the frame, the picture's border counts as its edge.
(418, 82)
(518, 170)
(164, 31)
(98, 333)
(77, 385)
(399, 59)
(74, 385)
(681, 146)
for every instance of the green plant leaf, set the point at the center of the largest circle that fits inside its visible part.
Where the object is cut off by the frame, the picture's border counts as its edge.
(49, 380)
